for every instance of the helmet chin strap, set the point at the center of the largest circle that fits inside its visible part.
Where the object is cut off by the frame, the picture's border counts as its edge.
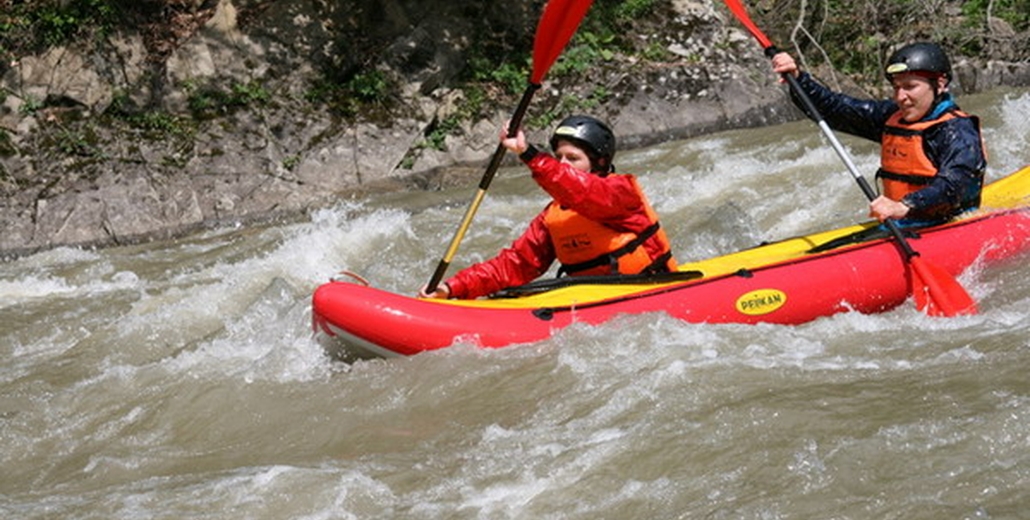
(600, 166)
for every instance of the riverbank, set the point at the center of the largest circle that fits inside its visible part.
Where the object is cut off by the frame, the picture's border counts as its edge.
(217, 118)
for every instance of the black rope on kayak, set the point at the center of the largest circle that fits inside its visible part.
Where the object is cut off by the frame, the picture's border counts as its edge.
(864, 235)
(540, 286)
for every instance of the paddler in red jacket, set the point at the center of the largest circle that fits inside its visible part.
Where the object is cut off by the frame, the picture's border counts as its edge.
(932, 157)
(599, 222)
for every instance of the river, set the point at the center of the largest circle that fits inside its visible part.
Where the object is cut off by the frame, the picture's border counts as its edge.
(180, 379)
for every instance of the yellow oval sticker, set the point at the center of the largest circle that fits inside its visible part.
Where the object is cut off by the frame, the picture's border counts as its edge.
(762, 301)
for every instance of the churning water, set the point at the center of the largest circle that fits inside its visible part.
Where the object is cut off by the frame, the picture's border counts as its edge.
(181, 380)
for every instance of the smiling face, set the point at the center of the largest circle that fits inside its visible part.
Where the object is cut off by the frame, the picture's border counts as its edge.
(915, 93)
(568, 153)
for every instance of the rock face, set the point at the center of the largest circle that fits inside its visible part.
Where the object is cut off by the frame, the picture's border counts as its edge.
(203, 116)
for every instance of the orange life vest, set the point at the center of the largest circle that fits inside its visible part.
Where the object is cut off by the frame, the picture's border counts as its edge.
(904, 166)
(586, 247)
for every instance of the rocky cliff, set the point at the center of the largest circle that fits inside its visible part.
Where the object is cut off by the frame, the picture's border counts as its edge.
(207, 112)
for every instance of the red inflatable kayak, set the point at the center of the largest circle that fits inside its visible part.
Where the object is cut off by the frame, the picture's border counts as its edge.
(793, 281)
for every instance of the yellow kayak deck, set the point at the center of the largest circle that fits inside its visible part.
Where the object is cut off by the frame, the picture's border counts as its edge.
(1012, 191)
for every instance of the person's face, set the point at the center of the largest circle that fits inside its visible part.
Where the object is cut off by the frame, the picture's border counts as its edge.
(915, 93)
(572, 155)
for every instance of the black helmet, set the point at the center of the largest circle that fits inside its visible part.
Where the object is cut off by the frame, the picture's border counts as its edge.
(919, 57)
(593, 135)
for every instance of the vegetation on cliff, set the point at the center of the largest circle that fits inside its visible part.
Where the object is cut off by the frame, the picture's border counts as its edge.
(371, 59)
(122, 119)
(853, 38)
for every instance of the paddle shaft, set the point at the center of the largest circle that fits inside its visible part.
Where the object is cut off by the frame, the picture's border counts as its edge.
(484, 184)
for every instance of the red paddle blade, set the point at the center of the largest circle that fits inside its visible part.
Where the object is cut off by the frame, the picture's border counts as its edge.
(937, 293)
(741, 13)
(557, 25)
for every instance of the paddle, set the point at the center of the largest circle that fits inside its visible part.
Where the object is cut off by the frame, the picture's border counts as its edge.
(554, 30)
(935, 291)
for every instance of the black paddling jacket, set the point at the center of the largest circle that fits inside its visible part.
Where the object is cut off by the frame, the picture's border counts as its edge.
(954, 146)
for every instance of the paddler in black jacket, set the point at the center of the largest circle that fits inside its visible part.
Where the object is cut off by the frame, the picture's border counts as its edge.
(932, 157)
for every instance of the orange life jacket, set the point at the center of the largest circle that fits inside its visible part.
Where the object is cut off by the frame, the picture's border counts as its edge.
(904, 166)
(586, 247)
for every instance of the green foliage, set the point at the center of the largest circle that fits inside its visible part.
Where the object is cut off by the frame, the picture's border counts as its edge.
(152, 124)
(159, 123)
(630, 10)
(291, 162)
(586, 50)
(436, 137)
(596, 41)
(7, 148)
(512, 77)
(211, 101)
(253, 92)
(1015, 12)
(79, 140)
(657, 52)
(31, 105)
(27, 27)
(571, 104)
(469, 107)
(856, 37)
(975, 35)
(369, 88)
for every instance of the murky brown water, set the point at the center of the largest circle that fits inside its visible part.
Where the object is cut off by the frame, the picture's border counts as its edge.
(180, 379)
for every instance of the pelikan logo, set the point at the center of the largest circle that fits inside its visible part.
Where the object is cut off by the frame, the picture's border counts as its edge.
(762, 301)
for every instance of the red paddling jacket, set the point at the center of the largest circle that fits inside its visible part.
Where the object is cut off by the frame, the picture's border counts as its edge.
(595, 225)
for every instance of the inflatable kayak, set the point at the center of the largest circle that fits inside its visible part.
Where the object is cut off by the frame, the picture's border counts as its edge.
(857, 268)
